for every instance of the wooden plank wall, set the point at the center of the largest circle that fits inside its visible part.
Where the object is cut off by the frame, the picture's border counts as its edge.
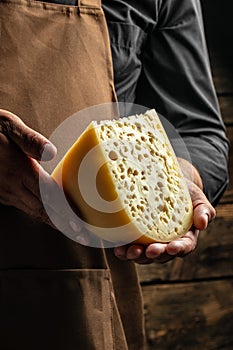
(189, 302)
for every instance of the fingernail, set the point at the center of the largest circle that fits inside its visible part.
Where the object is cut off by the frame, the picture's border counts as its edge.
(49, 151)
(74, 226)
(118, 252)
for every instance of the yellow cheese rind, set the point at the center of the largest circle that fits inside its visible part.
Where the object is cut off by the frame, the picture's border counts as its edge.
(139, 193)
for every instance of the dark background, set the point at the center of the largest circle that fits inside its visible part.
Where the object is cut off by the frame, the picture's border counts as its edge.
(189, 302)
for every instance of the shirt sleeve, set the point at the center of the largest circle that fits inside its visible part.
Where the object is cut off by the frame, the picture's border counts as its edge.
(176, 80)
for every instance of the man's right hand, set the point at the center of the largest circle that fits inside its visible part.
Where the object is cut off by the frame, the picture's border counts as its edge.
(20, 172)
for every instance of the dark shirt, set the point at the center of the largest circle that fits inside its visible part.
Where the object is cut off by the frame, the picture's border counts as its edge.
(160, 61)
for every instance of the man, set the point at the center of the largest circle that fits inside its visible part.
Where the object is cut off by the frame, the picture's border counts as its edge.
(58, 293)
(164, 63)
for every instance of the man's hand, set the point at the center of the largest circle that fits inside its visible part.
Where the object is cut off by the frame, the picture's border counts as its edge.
(20, 172)
(161, 252)
(20, 148)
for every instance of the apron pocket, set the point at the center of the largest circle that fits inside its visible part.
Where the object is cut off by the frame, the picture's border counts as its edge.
(56, 309)
(126, 45)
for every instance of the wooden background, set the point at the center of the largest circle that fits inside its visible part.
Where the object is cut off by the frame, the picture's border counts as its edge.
(189, 302)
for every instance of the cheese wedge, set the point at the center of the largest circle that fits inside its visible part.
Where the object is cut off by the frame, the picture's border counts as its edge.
(124, 178)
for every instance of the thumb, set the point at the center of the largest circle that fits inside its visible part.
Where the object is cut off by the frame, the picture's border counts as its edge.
(203, 212)
(29, 141)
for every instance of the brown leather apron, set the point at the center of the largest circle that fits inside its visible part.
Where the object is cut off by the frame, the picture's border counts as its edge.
(55, 293)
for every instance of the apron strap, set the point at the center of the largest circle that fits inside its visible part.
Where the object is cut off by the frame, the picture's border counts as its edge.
(89, 3)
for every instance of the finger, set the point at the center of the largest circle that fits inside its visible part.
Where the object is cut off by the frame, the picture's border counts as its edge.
(36, 179)
(121, 252)
(157, 253)
(32, 206)
(30, 178)
(184, 245)
(56, 209)
(134, 252)
(57, 206)
(161, 259)
(30, 142)
(154, 250)
(203, 214)
(54, 201)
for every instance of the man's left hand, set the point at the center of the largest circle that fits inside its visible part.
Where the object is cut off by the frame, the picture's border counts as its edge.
(203, 213)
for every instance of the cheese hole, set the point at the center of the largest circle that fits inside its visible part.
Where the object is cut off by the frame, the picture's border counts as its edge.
(173, 218)
(113, 155)
(129, 171)
(152, 152)
(140, 207)
(140, 157)
(138, 125)
(121, 168)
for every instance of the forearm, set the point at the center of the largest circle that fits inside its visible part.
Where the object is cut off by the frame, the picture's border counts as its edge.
(176, 81)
